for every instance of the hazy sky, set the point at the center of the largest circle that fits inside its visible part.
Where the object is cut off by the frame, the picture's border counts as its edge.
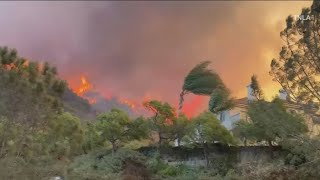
(134, 49)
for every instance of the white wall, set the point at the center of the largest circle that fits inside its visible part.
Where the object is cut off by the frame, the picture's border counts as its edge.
(230, 117)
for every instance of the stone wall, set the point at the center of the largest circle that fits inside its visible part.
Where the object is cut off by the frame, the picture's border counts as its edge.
(217, 154)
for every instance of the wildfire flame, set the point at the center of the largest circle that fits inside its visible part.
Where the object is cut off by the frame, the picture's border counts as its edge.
(26, 63)
(128, 102)
(190, 108)
(92, 100)
(85, 87)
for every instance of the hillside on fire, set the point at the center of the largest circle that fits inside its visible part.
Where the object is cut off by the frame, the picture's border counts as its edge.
(153, 103)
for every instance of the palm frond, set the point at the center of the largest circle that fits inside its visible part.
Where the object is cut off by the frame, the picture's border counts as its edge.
(201, 80)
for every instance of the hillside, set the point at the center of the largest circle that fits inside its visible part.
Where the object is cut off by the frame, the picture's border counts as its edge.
(77, 105)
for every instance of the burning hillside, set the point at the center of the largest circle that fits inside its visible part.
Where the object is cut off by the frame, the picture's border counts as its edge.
(100, 103)
(85, 89)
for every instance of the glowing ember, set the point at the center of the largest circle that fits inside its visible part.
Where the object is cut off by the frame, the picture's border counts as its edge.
(92, 101)
(135, 106)
(131, 104)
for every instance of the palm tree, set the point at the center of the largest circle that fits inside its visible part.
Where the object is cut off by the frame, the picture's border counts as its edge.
(200, 81)
(220, 101)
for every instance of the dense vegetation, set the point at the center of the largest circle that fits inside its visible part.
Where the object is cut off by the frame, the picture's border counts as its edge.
(37, 132)
(40, 139)
(45, 129)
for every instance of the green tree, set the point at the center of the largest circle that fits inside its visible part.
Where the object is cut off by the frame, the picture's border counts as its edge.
(270, 122)
(10, 134)
(200, 81)
(203, 81)
(220, 101)
(91, 138)
(138, 128)
(115, 127)
(243, 130)
(304, 153)
(66, 135)
(162, 120)
(298, 67)
(297, 70)
(26, 95)
(206, 128)
(256, 89)
(63, 137)
(180, 128)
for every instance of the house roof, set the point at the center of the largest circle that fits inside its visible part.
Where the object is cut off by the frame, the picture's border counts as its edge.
(242, 102)
(312, 111)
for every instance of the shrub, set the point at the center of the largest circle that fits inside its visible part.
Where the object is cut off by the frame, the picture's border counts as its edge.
(133, 170)
(104, 165)
(41, 168)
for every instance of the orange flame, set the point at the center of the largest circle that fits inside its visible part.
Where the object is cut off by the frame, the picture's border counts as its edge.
(131, 104)
(92, 100)
(135, 105)
(26, 63)
(190, 108)
(85, 87)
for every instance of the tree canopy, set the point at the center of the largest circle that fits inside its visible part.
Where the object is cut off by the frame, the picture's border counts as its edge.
(297, 68)
(208, 129)
(180, 127)
(203, 81)
(162, 119)
(256, 89)
(30, 92)
(220, 100)
(270, 122)
(116, 127)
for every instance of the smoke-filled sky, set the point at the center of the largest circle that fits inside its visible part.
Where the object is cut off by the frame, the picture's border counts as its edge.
(137, 49)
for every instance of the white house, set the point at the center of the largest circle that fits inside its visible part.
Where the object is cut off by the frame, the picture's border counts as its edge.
(239, 112)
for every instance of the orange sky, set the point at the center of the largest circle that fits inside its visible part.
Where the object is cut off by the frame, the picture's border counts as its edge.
(138, 49)
(271, 18)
